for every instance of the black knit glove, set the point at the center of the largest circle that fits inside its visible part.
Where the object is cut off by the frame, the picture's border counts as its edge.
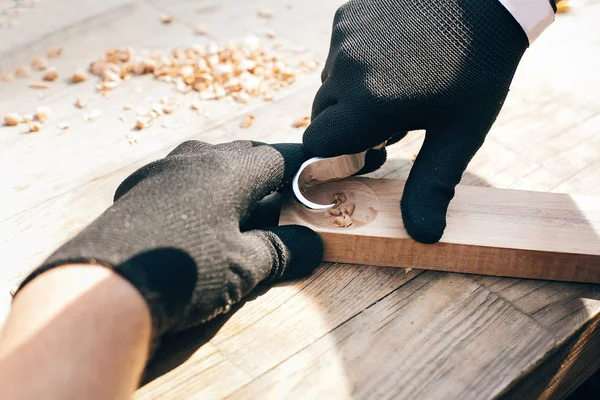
(174, 231)
(401, 65)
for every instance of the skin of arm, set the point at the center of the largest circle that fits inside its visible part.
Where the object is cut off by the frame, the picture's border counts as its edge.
(75, 332)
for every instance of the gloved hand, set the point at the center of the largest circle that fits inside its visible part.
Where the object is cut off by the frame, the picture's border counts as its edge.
(401, 65)
(175, 232)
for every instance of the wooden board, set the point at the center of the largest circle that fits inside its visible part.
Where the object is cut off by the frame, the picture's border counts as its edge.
(490, 231)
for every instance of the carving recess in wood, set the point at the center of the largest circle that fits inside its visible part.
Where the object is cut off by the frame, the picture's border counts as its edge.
(489, 231)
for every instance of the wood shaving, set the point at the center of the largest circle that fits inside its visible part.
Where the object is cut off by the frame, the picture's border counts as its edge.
(335, 212)
(122, 118)
(51, 75)
(140, 124)
(301, 122)
(38, 85)
(64, 126)
(308, 66)
(12, 119)
(127, 107)
(248, 121)
(241, 97)
(195, 106)
(43, 113)
(40, 63)
(343, 221)
(200, 30)
(34, 126)
(349, 210)
(55, 52)
(156, 109)
(166, 19)
(339, 199)
(23, 71)
(7, 77)
(264, 13)
(94, 114)
(80, 103)
(79, 76)
(238, 71)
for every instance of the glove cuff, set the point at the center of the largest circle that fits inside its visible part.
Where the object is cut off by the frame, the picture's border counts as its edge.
(534, 16)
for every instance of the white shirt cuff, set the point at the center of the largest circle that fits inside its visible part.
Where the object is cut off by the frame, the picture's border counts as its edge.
(534, 16)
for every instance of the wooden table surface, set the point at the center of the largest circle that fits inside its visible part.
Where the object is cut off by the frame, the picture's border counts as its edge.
(347, 331)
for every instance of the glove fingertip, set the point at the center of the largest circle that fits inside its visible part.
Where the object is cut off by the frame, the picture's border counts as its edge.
(374, 159)
(423, 221)
(305, 249)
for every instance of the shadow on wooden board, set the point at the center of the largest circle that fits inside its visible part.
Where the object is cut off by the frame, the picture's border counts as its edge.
(555, 377)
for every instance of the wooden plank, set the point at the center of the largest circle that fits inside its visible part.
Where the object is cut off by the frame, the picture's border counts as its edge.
(490, 231)
(275, 326)
(568, 367)
(440, 336)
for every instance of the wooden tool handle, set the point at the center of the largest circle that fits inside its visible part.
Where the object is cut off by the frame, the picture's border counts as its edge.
(489, 231)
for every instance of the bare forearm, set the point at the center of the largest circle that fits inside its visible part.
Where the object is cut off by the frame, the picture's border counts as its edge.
(74, 332)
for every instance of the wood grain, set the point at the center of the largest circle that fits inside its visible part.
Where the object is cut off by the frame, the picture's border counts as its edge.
(410, 342)
(490, 231)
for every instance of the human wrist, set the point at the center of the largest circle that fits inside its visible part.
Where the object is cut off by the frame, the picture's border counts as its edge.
(534, 16)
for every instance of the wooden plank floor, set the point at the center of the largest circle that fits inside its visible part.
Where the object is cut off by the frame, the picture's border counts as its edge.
(347, 331)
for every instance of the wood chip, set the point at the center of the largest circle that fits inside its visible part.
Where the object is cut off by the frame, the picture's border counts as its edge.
(127, 107)
(407, 270)
(40, 63)
(265, 13)
(122, 118)
(238, 71)
(335, 212)
(34, 126)
(80, 103)
(23, 71)
(349, 210)
(51, 75)
(270, 33)
(301, 122)
(94, 114)
(200, 30)
(79, 76)
(343, 222)
(195, 105)
(38, 85)
(64, 126)
(166, 19)
(140, 124)
(43, 113)
(248, 121)
(167, 109)
(12, 119)
(7, 77)
(55, 52)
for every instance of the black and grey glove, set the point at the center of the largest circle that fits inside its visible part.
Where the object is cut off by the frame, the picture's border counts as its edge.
(175, 232)
(401, 65)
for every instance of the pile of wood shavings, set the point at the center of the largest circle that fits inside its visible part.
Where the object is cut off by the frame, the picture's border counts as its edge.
(238, 71)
